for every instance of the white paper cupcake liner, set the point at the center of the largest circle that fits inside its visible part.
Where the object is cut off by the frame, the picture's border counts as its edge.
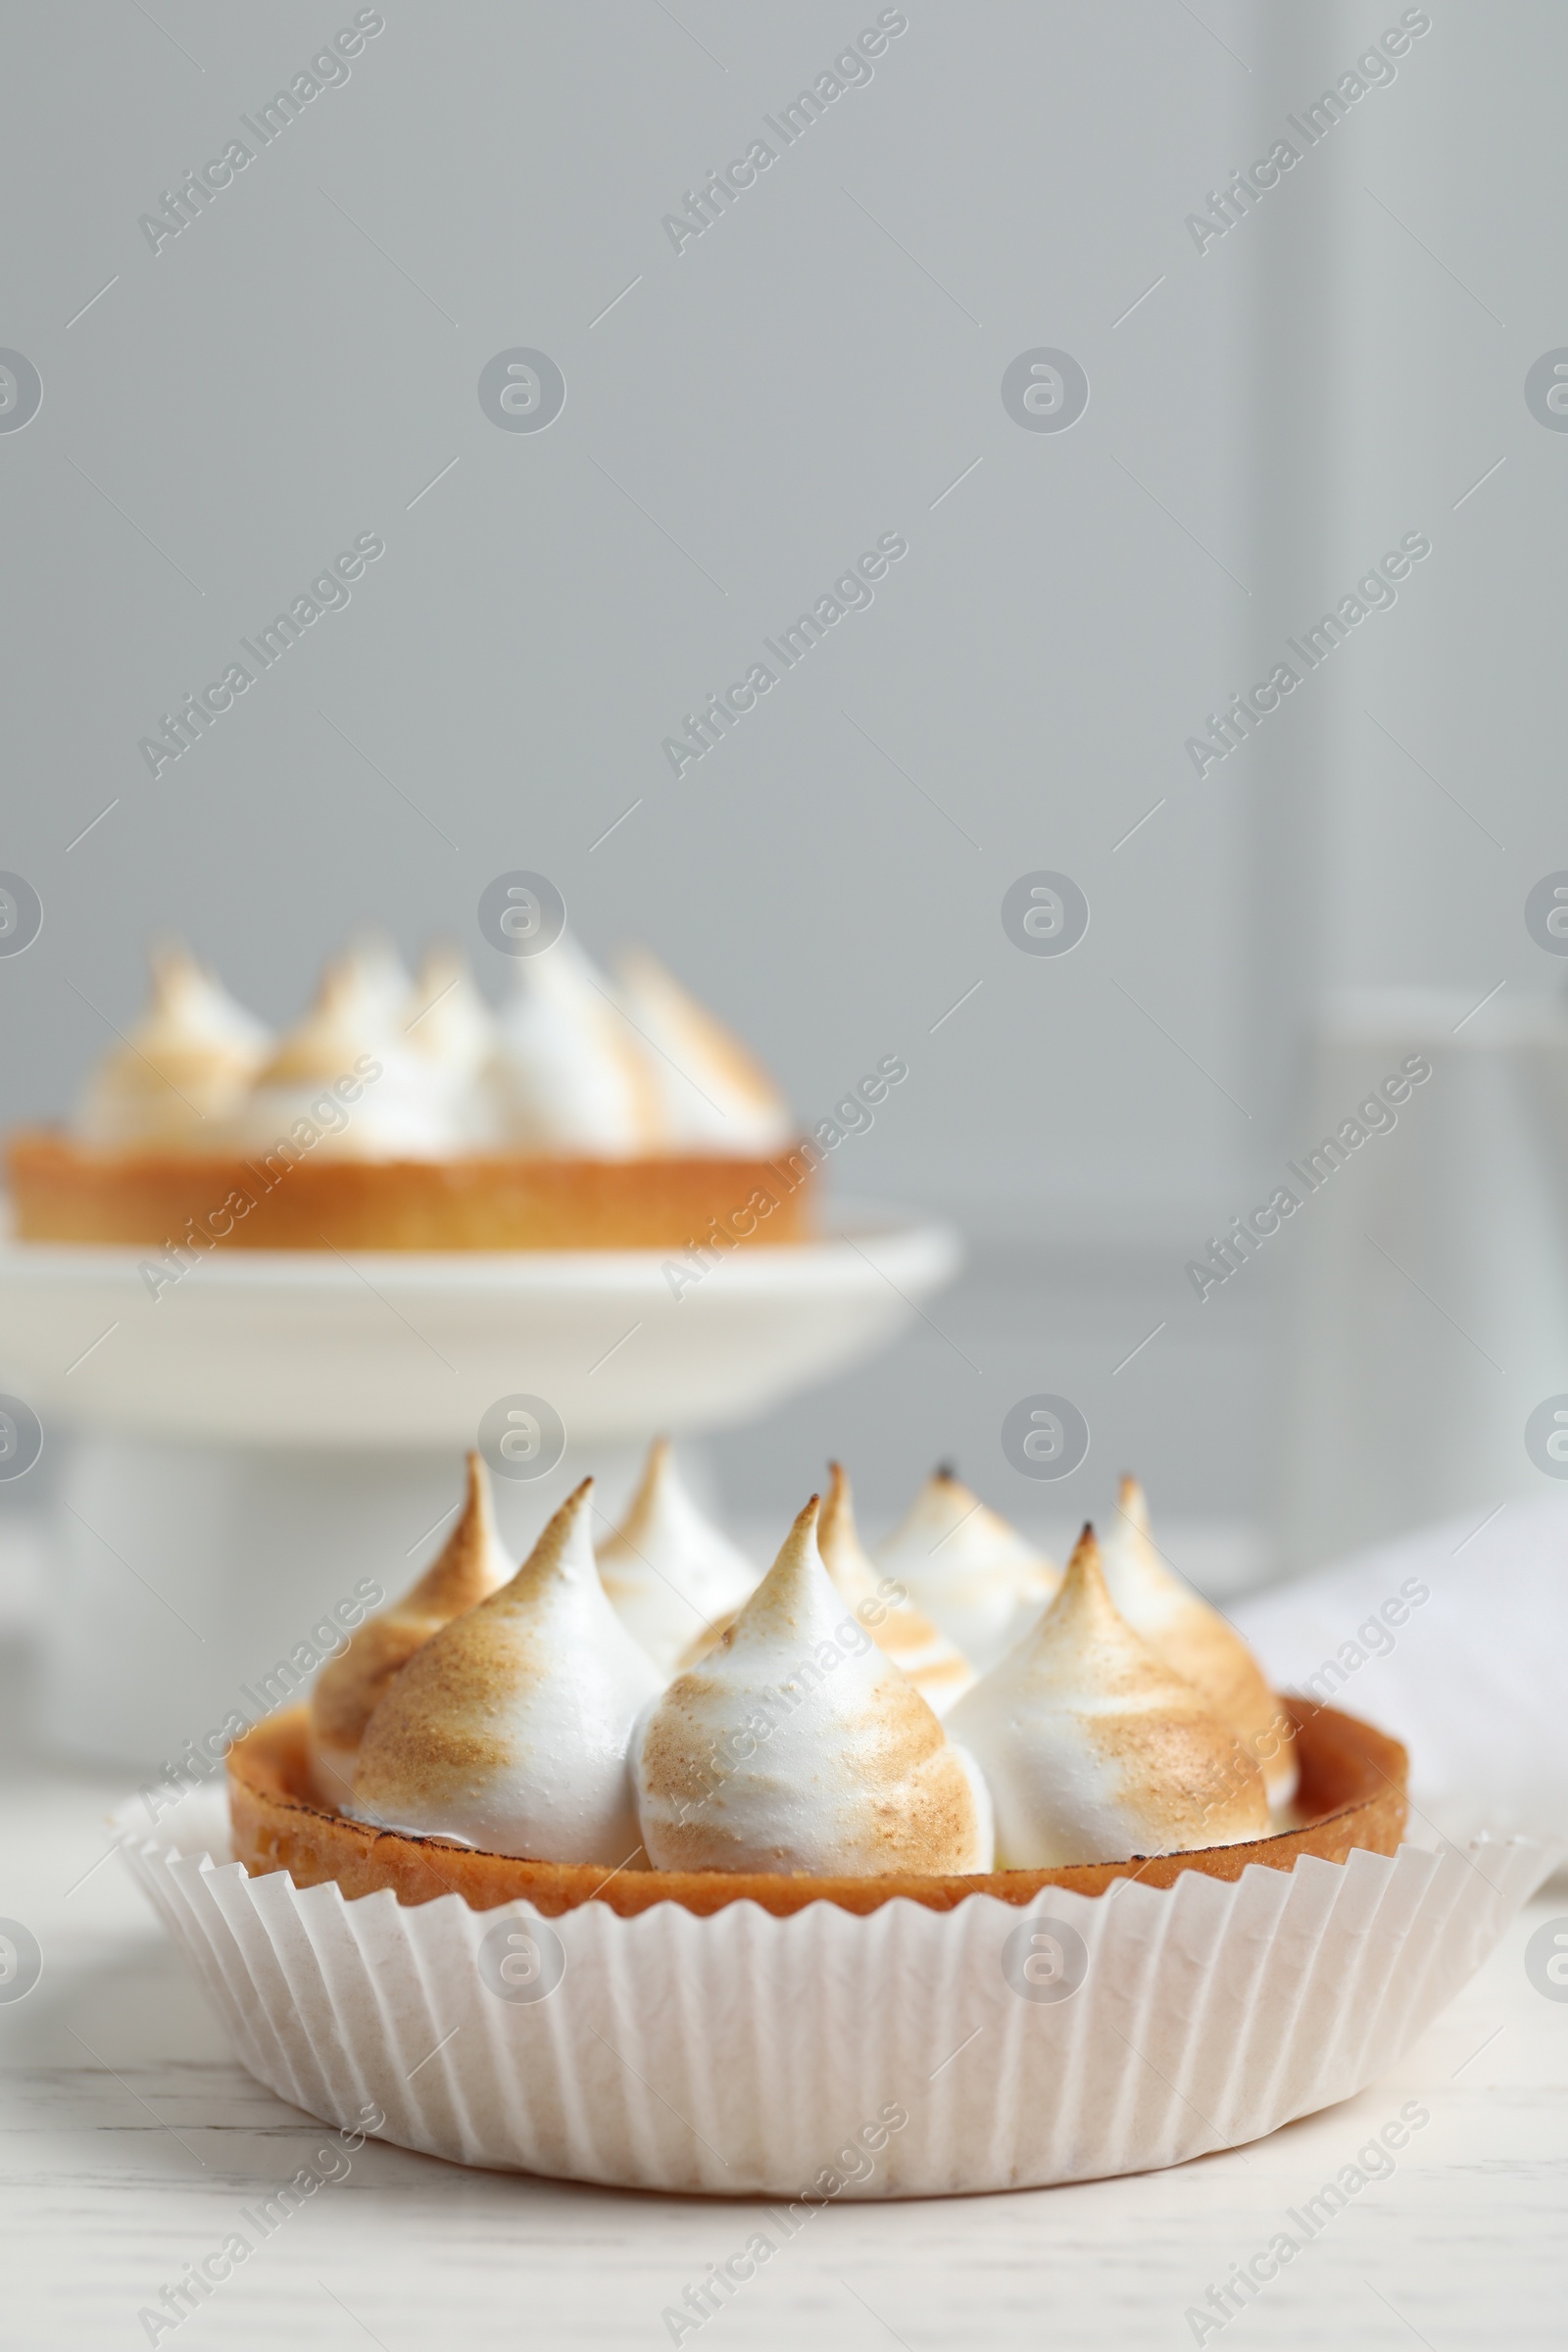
(743, 2054)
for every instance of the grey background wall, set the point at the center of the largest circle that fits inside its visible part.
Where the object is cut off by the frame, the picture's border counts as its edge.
(742, 416)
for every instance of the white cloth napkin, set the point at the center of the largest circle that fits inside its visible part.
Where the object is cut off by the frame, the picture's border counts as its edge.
(1475, 1679)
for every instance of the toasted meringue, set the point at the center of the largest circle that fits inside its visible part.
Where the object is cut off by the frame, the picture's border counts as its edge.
(674, 1577)
(963, 1565)
(347, 1076)
(713, 1096)
(1162, 1608)
(473, 1564)
(185, 1067)
(915, 1644)
(569, 1075)
(447, 1018)
(509, 1729)
(700, 1644)
(380, 974)
(451, 1028)
(1096, 1750)
(797, 1744)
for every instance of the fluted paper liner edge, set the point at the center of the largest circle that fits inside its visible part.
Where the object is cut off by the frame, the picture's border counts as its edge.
(739, 2054)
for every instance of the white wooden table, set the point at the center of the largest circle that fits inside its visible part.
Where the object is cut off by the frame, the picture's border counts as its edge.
(131, 2138)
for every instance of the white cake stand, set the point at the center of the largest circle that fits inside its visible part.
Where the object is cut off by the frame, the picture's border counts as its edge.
(238, 1452)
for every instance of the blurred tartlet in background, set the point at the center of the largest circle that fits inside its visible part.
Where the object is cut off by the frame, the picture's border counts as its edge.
(405, 1113)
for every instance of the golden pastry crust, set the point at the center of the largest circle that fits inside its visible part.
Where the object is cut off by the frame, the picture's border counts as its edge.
(63, 1191)
(1352, 1794)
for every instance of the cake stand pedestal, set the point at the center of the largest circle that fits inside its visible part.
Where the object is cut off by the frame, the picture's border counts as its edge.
(186, 1576)
(238, 1452)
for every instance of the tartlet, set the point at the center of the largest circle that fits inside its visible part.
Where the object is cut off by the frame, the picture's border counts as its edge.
(405, 1115)
(1352, 1794)
(504, 1739)
(733, 2031)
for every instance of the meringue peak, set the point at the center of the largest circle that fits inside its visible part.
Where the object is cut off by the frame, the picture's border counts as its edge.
(1130, 1546)
(1133, 1503)
(447, 1018)
(186, 993)
(713, 1095)
(944, 1508)
(346, 1069)
(1083, 1617)
(1083, 1583)
(793, 1599)
(652, 1488)
(1194, 1637)
(795, 1589)
(914, 1642)
(795, 1744)
(675, 1580)
(470, 1565)
(1135, 1563)
(561, 1567)
(348, 1010)
(372, 956)
(509, 1729)
(838, 1539)
(1096, 1750)
(464, 1570)
(570, 1073)
(967, 1568)
(564, 1554)
(661, 1506)
(184, 1066)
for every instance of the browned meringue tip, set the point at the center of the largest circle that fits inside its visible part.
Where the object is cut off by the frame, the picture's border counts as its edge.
(337, 999)
(803, 1537)
(478, 1498)
(1085, 1572)
(550, 1548)
(838, 1540)
(455, 1581)
(657, 1464)
(639, 972)
(1133, 1503)
(576, 1502)
(797, 1544)
(567, 1513)
(797, 1560)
